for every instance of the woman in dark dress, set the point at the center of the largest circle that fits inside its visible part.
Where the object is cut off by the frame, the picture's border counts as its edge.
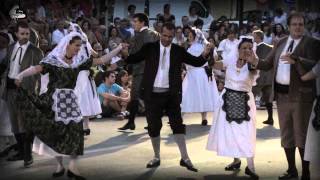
(54, 116)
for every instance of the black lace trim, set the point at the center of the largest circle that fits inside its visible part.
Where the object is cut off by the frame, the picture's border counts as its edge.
(236, 106)
(316, 119)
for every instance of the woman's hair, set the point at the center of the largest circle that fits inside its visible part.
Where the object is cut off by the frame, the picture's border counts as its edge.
(75, 38)
(244, 40)
(85, 21)
(193, 32)
(275, 29)
(110, 30)
(268, 34)
(120, 75)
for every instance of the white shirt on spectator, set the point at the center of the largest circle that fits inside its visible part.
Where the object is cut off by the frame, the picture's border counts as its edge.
(57, 35)
(162, 77)
(227, 46)
(41, 12)
(281, 20)
(16, 59)
(283, 71)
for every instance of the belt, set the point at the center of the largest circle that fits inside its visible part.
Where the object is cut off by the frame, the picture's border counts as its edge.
(280, 88)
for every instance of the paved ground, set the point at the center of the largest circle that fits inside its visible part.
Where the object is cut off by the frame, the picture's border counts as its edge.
(114, 155)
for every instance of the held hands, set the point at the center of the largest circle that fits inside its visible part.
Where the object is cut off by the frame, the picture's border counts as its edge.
(124, 49)
(287, 59)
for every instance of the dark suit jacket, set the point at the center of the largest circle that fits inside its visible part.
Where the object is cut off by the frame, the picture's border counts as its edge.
(150, 52)
(32, 57)
(265, 77)
(299, 91)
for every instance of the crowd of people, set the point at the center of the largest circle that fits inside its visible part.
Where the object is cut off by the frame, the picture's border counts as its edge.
(59, 70)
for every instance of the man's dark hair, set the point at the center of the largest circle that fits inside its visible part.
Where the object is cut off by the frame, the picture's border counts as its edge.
(295, 15)
(166, 6)
(198, 22)
(21, 25)
(168, 26)
(142, 18)
(108, 73)
(131, 6)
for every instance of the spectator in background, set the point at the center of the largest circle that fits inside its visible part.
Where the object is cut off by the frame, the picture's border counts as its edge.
(167, 16)
(192, 14)
(116, 22)
(266, 28)
(158, 26)
(59, 33)
(221, 34)
(41, 12)
(179, 38)
(86, 27)
(280, 17)
(131, 11)
(199, 24)
(278, 33)
(185, 21)
(100, 35)
(186, 30)
(123, 30)
(123, 80)
(113, 98)
(44, 46)
(114, 37)
(228, 45)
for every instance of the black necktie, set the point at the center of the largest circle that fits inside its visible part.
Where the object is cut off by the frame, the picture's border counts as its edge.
(290, 48)
(18, 50)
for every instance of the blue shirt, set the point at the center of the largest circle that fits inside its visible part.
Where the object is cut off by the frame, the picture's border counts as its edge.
(114, 89)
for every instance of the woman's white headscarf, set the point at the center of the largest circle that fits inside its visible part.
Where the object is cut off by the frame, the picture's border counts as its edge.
(200, 38)
(56, 56)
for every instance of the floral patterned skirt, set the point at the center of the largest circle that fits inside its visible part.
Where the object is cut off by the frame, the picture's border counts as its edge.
(39, 118)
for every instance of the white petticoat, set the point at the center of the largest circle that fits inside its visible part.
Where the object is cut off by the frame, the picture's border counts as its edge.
(88, 98)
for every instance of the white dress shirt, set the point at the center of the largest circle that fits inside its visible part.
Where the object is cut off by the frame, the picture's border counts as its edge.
(16, 59)
(283, 71)
(162, 78)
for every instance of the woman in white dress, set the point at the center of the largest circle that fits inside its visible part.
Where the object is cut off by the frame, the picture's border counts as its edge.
(198, 90)
(233, 132)
(85, 86)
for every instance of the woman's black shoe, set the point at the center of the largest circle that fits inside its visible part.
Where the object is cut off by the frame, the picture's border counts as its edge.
(204, 122)
(86, 132)
(58, 174)
(233, 166)
(251, 174)
(76, 177)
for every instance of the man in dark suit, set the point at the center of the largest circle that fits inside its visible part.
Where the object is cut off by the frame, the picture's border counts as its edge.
(142, 36)
(264, 82)
(21, 55)
(293, 96)
(162, 86)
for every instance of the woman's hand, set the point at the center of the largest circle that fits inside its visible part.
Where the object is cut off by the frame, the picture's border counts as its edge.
(18, 82)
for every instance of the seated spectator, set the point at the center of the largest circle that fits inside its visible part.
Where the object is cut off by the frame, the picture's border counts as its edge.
(113, 98)
(167, 16)
(123, 80)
